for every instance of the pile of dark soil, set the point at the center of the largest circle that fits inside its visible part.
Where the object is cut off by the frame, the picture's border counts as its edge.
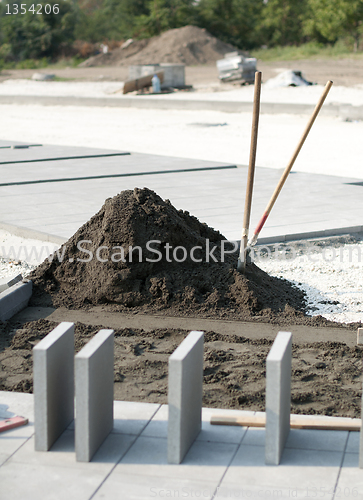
(188, 45)
(147, 281)
(326, 376)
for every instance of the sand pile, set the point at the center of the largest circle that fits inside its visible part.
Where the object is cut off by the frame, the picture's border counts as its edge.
(132, 273)
(188, 45)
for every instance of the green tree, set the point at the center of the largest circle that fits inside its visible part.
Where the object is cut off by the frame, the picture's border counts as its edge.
(32, 35)
(109, 19)
(333, 19)
(163, 15)
(282, 22)
(233, 21)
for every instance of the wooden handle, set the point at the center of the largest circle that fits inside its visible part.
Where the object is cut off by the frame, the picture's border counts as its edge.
(291, 162)
(251, 171)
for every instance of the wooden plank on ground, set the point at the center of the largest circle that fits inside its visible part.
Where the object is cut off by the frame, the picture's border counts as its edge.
(303, 422)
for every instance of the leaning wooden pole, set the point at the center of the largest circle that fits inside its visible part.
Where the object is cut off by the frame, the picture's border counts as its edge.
(290, 165)
(241, 266)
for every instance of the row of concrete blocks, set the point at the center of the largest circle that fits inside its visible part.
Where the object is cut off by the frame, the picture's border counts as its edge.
(55, 370)
(65, 385)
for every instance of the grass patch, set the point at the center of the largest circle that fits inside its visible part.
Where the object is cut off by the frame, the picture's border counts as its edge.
(41, 63)
(311, 50)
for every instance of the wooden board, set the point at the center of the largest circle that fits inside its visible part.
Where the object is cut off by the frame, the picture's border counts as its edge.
(305, 422)
(140, 83)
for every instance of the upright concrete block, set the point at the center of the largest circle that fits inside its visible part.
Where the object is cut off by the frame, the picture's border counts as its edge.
(14, 299)
(185, 396)
(53, 368)
(360, 336)
(94, 394)
(361, 439)
(278, 397)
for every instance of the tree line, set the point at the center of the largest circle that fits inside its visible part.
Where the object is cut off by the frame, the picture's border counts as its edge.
(43, 29)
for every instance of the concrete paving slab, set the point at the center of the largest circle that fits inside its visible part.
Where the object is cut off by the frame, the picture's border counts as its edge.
(320, 469)
(25, 153)
(132, 417)
(224, 469)
(353, 442)
(148, 457)
(219, 204)
(20, 481)
(158, 427)
(62, 453)
(142, 488)
(95, 164)
(350, 484)
(310, 439)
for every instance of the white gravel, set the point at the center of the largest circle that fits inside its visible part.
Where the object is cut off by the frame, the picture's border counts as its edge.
(334, 147)
(331, 277)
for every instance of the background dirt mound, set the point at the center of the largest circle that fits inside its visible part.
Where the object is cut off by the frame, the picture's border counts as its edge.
(188, 45)
(149, 281)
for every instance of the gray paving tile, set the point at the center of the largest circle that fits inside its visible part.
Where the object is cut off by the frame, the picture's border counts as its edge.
(76, 167)
(12, 440)
(62, 453)
(353, 442)
(308, 203)
(127, 486)
(47, 482)
(131, 418)
(50, 152)
(350, 484)
(309, 439)
(228, 491)
(148, 457)
(299, 469)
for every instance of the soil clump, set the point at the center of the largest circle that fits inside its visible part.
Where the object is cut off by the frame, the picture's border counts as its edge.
(325, 375)
(137, 266)
(189, 45)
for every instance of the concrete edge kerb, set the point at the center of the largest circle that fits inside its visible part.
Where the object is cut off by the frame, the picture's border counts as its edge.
(278, 397)
(15, 299)
(32, 234)
(346, 111)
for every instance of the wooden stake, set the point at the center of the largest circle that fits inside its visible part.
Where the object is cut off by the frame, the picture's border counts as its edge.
(241, 266)
(290, 165)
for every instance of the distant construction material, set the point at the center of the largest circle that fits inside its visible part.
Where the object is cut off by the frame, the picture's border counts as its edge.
(185, 396)
(142, 82)
(174, 74)
(278, 397)
(94, 394)
(236, 66)
(53, 385)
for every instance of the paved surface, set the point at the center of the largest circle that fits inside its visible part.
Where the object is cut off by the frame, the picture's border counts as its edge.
(52, 199)
(224, 462)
